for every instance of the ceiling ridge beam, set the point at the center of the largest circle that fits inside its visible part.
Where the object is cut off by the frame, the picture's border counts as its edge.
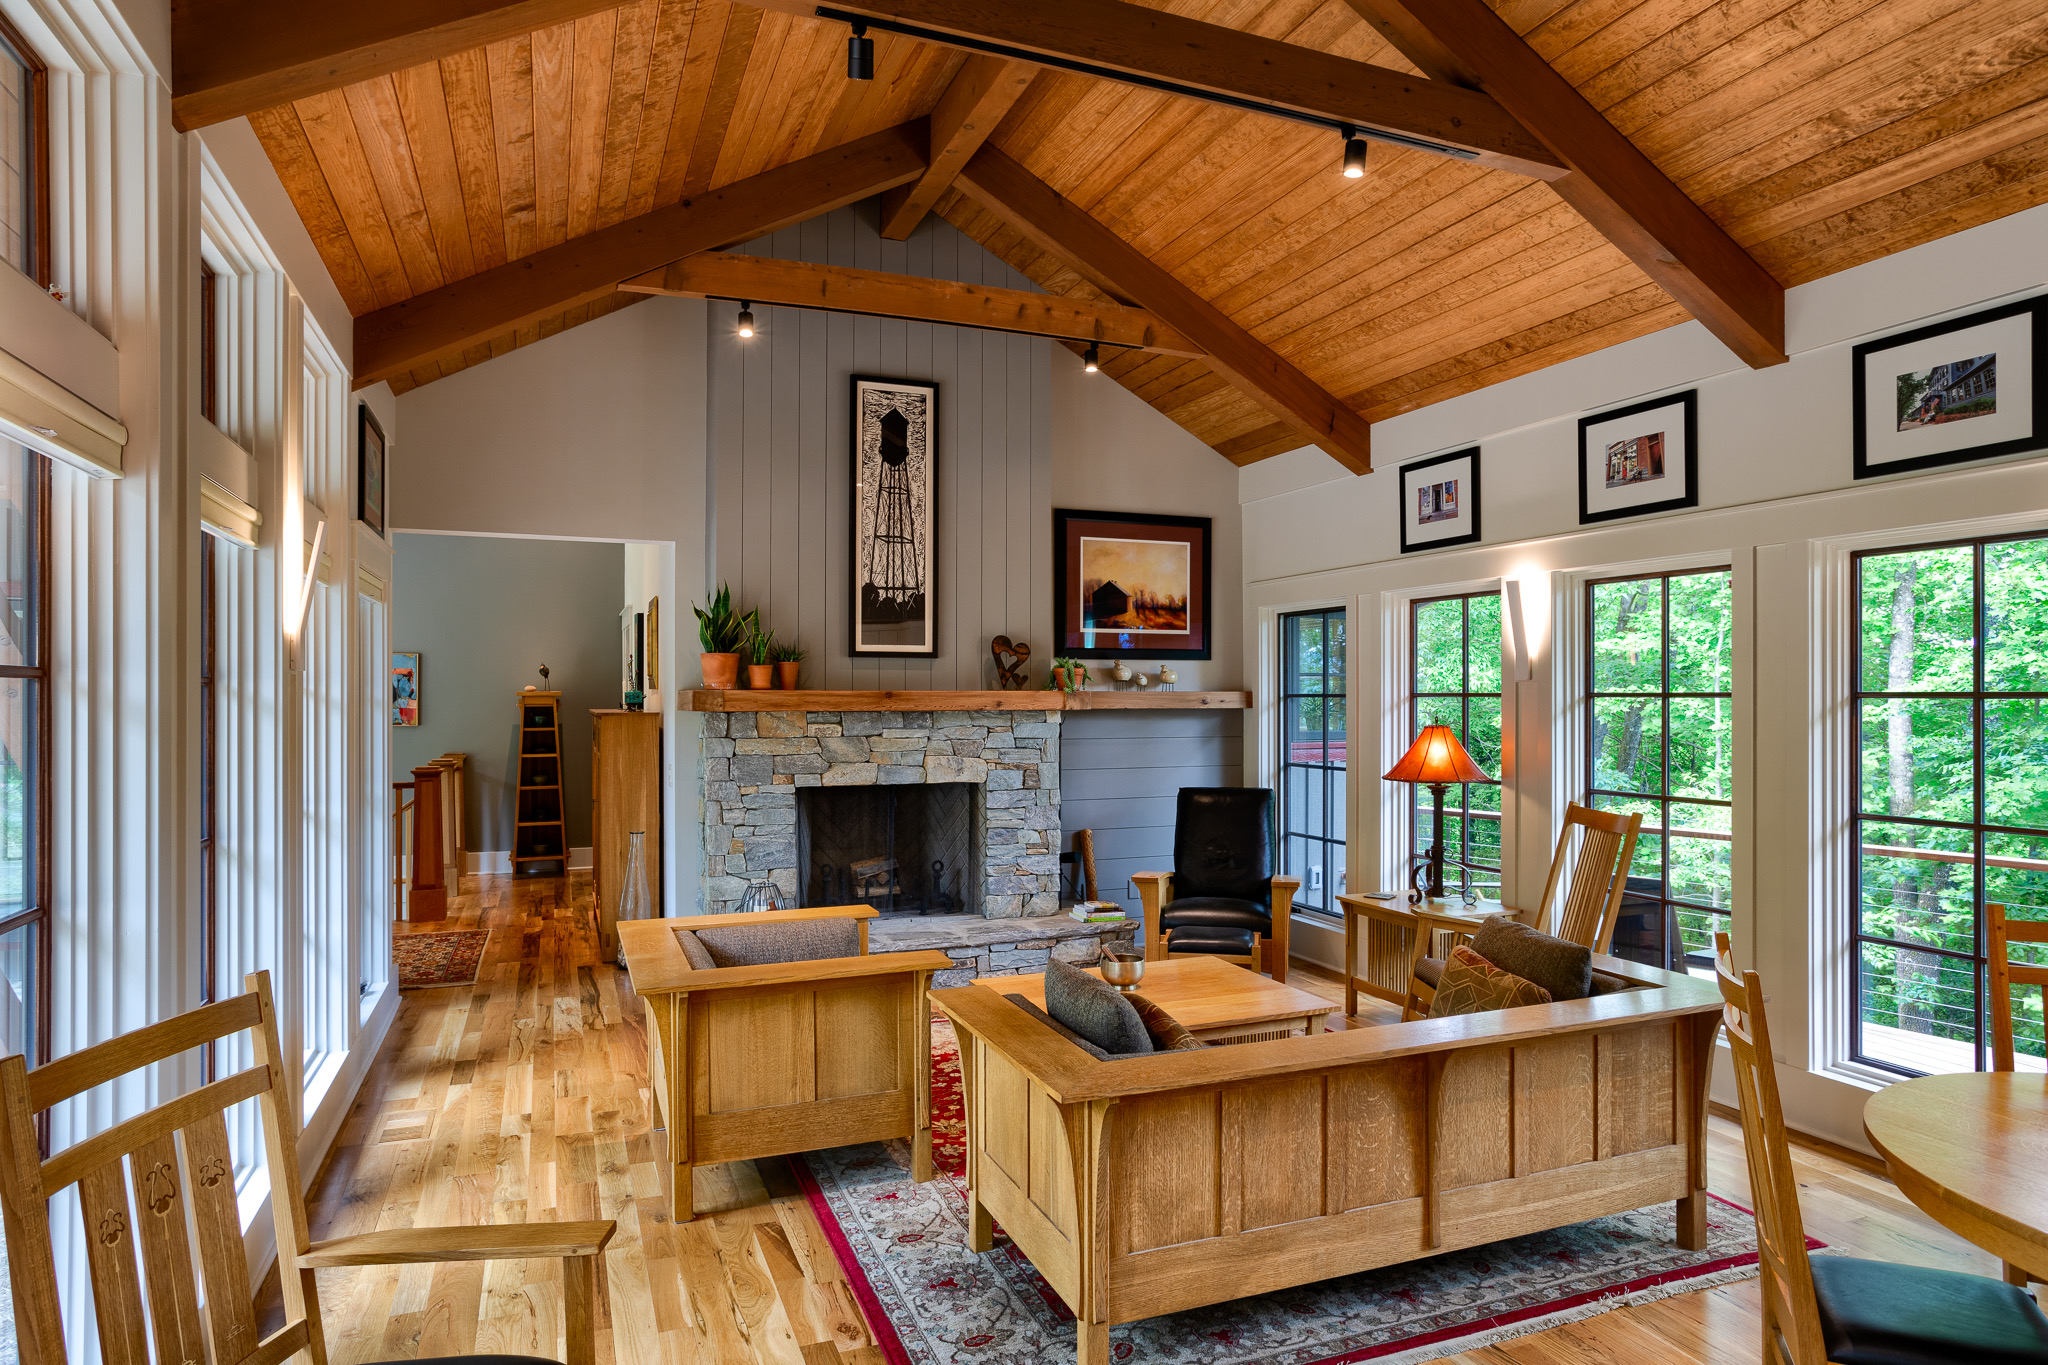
(234, 57)
(1149, 47)
(980, 94)
(1002, 186)
(1611, 183)
(442, 321)
(878, 293)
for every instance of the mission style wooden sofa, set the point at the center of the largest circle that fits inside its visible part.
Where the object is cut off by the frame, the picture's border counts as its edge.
(763, 1060)
(1152, 1184)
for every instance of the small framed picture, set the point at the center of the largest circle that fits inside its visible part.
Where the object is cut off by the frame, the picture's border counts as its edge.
(405, 689)
(1640, 459)
(1933, 396)
(1130, 585)
(632, 645)
(1440, 501)
(369, 469)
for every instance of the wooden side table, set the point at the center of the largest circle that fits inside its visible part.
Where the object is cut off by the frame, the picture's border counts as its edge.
(1394, 935)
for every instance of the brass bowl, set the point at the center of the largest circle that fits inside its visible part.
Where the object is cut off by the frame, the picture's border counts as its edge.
(1123, 970)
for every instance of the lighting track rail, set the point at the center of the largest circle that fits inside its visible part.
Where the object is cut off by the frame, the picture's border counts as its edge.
(1165, 87)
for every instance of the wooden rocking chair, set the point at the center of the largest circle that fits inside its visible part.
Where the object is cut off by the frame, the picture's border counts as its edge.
(177, 1159)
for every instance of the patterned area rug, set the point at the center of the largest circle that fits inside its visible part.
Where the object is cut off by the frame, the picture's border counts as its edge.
(450, 959)
(931, 1302)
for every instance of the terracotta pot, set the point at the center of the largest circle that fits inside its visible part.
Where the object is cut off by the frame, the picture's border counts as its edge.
(785, 676)
(761, 677)
(720, 670)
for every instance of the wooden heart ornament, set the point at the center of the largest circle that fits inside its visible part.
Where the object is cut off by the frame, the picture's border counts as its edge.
(1010, 661)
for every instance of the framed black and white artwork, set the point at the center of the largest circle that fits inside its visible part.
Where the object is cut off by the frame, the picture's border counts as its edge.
(1440, 501)
(1953, 391)
(1640, 459)
(369, 469)
(893, 422)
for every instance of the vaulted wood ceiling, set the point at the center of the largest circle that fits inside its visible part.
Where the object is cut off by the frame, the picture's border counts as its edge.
(1818, 133)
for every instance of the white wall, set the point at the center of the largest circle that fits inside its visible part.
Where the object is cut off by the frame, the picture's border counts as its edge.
(1776, 495)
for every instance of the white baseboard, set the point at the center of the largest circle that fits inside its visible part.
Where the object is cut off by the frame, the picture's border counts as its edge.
(500, 863)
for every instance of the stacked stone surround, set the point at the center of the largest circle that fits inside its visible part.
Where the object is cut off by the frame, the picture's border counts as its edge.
(753, 763)
(980, 947)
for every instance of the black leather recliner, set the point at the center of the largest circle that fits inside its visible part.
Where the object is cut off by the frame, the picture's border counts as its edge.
(1221, 896)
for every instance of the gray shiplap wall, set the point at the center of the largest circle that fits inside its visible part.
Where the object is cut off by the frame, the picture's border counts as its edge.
(1120, 774)
(780, 469)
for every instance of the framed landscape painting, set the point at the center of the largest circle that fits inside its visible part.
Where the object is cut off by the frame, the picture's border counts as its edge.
(892, 588)
(1640, 459)
(1440, 501)
(1130, 585)
(1950, 392)
(405, 689)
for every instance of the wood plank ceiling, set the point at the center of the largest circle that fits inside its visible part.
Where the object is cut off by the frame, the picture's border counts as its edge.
(1819, 133)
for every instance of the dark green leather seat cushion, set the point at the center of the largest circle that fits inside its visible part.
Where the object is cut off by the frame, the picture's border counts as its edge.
(1879, 1313)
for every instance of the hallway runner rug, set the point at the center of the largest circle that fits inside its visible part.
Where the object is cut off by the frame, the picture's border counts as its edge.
(424, 961)
(930, 1301)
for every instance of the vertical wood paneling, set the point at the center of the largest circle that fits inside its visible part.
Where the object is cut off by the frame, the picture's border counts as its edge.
(782, 483)
(1121, 773)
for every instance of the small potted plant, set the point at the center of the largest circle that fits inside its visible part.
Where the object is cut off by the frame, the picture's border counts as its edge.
(760, 650)
(788, 661)
(1068, 675)
(723, 632)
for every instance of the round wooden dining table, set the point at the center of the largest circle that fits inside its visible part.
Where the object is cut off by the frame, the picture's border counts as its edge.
(1972, 1151)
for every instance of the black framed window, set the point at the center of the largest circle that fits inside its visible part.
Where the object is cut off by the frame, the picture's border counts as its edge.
(1455, 679)
(24, 157)
(1312, 755)
(209, 778)
(1951, 793)
(1660, 740)
(24, 743)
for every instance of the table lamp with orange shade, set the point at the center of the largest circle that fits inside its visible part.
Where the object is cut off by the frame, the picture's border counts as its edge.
(1436, 760)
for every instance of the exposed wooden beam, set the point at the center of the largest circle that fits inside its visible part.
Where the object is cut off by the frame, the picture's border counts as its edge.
(1037, 211)
(233, 57)
(442, 321)
(1611, 183)
(984, 89)
(876, 293)
(1141, 44)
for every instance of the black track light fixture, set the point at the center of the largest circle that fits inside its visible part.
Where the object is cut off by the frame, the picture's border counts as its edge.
(1354, 153)
(746, 319)
(1092, 361)
(860, 54)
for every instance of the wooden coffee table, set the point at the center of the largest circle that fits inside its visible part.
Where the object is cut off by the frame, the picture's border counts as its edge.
(1217, 1001)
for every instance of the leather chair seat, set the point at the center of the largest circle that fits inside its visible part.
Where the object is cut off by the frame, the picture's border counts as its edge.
(1215, 912)
(1879, 1313)
(1210, 938)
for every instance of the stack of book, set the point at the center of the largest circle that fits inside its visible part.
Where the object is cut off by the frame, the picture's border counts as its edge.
(1092, 912)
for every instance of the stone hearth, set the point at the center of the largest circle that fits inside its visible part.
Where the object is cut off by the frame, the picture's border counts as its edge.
(994, 947)
(753, 763)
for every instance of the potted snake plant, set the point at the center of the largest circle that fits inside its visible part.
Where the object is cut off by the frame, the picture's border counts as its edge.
(723, 632)
(788, 661)
(760, 652)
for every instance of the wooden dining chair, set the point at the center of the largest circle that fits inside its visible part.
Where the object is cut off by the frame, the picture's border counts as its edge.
(1839, 1308)
(1592, 900)
(179, 1179)
(2000, 933)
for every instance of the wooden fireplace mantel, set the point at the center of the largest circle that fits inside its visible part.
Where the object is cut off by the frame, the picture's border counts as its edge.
(741, 699)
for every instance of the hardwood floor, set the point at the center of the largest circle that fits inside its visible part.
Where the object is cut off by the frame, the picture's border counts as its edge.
(524, 1097)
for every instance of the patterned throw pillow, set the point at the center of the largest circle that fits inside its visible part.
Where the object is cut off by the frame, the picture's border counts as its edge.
(1472, 985)
(1168, 1033)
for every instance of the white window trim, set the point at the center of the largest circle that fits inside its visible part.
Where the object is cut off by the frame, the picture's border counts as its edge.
(1268, 716)
(1830, 741)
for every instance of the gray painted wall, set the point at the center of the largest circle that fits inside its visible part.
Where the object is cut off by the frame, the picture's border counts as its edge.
(484, 613)
(1121, 773)
(780, 466)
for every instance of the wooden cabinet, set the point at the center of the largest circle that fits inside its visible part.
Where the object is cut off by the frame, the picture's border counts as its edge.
(625, 779)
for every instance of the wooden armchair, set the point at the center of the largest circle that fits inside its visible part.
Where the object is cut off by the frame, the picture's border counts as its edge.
(178, 1167)
(2000, 933)
(783, 1056)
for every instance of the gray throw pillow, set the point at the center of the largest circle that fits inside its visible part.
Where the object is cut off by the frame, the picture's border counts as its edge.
(693, 949)
(1557, 965)
(762, 945)
(1091, 1007)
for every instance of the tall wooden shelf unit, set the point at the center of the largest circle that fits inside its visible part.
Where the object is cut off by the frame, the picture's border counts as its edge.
(538, 835)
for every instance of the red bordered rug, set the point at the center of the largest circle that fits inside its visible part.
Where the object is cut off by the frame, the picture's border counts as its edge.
(930, 1301)
(422, 961)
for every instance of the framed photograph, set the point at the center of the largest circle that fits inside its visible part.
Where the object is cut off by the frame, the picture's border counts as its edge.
(893, 422)
(1933, 397)
(1440, 501)
(631, 623)
(369, 469)
(1130, 585)
(1640, 459)
(405, 689)
(653, 666)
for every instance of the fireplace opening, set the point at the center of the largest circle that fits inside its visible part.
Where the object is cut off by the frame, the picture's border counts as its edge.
(907, 850)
